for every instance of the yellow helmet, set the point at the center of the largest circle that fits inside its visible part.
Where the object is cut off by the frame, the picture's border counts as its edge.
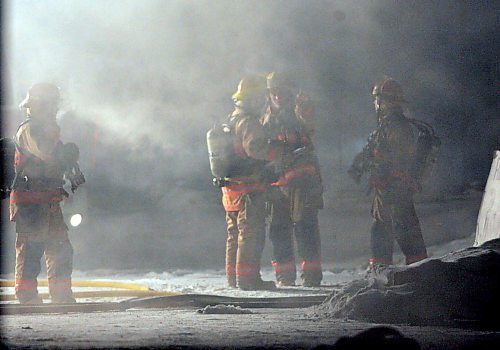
(249, 87)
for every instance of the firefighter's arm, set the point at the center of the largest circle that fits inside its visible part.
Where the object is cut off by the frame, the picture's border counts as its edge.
(255, 142)
(68, 155)
(304, 110)
(40, 146)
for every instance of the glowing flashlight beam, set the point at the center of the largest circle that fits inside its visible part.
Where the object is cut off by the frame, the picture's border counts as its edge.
(75, 220)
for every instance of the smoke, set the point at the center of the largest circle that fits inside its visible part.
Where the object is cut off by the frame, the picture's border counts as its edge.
(144, 80)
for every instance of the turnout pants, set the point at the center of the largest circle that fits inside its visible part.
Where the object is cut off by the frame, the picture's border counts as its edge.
(245, 241)
(30, 248)
(395, 218)
(294, 217)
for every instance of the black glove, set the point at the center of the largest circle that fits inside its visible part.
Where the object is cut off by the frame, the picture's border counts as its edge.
(75, 177)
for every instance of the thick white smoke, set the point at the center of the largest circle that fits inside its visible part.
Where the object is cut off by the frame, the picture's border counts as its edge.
(153, 75)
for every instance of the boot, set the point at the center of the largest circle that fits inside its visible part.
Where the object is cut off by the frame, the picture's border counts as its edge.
(311, 283)
(63, 298)
(231, 283)
(285, 283)
(30, 300)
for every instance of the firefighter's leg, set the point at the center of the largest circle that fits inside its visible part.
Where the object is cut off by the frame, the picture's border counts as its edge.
(59, 259)
(231, 247)
(309, 247)
(408, 233)
(29, 252)
(251, 228)
(382, 244)
(381, 237)
(281, 237)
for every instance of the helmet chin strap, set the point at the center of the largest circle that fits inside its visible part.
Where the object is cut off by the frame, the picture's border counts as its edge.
(379, 115)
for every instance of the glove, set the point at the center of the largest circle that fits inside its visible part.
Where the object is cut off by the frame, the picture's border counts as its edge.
(75, 177)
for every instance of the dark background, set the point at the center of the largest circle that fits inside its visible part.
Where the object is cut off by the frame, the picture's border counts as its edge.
(143, 81)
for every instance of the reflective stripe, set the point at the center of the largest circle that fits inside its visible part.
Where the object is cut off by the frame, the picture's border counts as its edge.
(246, 269)
(243, 188)
(230, 270)
(36, 197)
(231, 199)
(26, 285)
(281, 267)
(301, 170)
(21, 158)
(311, 265)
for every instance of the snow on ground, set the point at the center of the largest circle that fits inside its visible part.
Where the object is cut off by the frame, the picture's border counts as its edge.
(213, 282)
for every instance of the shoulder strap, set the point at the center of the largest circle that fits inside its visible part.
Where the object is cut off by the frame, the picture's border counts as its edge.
(422, 126)
(18, 147)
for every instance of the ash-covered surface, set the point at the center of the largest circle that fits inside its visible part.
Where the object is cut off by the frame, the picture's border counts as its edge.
(460, 289)
(184, 328)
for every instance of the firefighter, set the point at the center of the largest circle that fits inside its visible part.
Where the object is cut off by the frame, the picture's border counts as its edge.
(297, 195)
(244, 190)
(40, 163)
(388, 158)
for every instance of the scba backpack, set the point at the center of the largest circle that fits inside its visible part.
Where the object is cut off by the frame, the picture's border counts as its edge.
(8, 151)
(221, 152)
(427, 150)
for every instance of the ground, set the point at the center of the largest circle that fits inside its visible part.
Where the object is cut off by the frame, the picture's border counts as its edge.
(268, 328)
(184, 327)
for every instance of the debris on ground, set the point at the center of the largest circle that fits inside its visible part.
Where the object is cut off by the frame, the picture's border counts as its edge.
(458, 289)
(223, 309)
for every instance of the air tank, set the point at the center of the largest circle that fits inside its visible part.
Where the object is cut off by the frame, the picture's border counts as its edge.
(220, 146)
